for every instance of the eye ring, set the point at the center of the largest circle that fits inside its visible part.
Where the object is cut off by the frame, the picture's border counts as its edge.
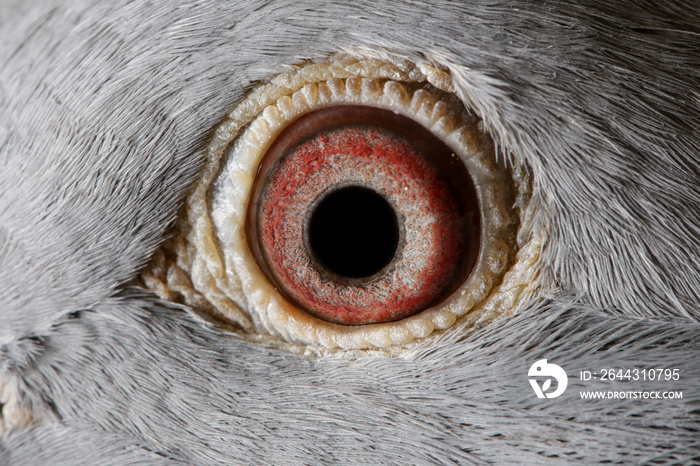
(199, 261)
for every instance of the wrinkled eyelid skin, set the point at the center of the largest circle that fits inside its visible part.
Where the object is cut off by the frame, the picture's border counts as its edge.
(208, 262)
(105, 113)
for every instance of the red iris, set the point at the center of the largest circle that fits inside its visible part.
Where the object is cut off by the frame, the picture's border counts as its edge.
(359, 215)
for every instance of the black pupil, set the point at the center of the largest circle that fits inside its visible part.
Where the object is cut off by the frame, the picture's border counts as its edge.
(353, 232)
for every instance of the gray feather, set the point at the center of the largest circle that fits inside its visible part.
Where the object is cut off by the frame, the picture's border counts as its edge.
(105, 110)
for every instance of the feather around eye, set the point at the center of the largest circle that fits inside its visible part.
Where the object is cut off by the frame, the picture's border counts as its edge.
(210, 263)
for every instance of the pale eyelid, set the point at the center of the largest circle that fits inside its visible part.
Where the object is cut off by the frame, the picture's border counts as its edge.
(208, 265)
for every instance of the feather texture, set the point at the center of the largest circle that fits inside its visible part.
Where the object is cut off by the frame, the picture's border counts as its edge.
(105, 111)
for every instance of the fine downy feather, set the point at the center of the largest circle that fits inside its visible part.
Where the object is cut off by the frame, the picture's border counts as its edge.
(105, 112)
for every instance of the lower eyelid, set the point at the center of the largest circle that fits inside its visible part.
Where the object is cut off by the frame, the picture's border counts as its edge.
(207, 264)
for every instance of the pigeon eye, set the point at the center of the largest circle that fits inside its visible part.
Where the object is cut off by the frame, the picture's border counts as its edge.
(352, 204)
(362, 216)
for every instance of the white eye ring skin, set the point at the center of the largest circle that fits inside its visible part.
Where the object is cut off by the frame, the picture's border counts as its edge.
(208, 263)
